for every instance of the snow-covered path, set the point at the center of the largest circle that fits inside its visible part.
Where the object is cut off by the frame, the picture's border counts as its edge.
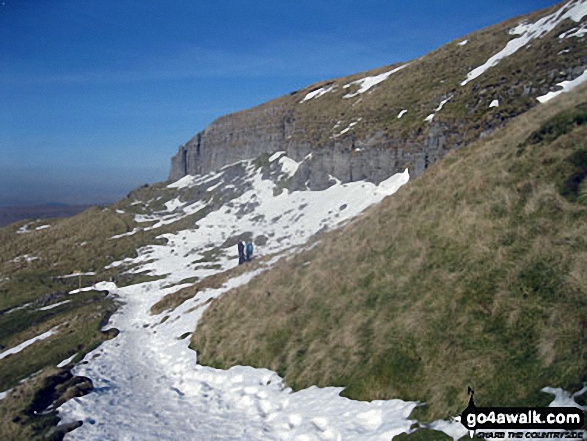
(148, 385)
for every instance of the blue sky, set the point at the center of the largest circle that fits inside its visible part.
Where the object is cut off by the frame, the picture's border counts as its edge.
(96, 96)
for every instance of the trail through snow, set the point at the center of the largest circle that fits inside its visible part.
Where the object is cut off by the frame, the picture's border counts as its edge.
(148, 384)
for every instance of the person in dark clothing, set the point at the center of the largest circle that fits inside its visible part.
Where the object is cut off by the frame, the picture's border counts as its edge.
(249, 251)
(241, 252)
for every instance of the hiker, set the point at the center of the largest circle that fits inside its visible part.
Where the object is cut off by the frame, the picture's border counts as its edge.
(241, 252)
(249, 251)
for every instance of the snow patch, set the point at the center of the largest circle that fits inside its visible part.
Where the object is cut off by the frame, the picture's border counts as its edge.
(55, 305)
(577, 32)
(100, 286)
(184, 182)
(442, 103)
(288, 165)
(18, 308)
(494, 103)
(462, 43)
(128, 233)
(566, 86)
(66, 361)
(26, 257)
(530, 31)
(26, 344)
(368, 82)
(23, 229)
(318, 93)
(430, 117)
(402, 113)
(276, 155)
(90, 273)
(173, 204)
(349, 127)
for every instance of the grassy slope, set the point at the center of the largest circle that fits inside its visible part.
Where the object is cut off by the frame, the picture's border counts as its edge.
(472, 275)
(79, 243)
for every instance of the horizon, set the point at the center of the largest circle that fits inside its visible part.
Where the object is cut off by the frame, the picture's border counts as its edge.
(98, 97)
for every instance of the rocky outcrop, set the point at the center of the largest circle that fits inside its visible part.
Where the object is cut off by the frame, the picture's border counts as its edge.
(345, 130)
(348, 159)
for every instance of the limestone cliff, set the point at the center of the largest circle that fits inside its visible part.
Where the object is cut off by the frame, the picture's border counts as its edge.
(373, 124)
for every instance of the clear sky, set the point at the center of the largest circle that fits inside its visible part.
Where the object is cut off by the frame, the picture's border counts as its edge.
(96, 96)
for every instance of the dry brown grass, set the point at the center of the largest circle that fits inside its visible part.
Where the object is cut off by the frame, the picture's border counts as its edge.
(469, 275)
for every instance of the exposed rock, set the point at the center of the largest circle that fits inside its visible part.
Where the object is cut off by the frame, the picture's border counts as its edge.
(362, 138)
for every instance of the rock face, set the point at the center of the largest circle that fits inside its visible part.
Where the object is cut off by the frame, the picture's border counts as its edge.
(371, 125)
(348, 159)
(375, 158)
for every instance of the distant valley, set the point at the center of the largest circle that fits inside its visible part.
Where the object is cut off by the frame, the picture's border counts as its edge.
(9, 215)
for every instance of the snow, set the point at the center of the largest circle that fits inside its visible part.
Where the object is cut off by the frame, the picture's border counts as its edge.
(349, 127)
(452, 428)
(430, 117)
(173, 204)
(494, 103)
(148, 383)
(215, 186)
(288, 165)
(18, 308)
(128, 233)
(120, 211)
(27, 257)
(27, 343)
(77, 275)
(55, 305)
(4, 394)
(462, 43)
(577, 32)
(530, 31)
(66, 361)
(566, 87)
(100, 286)
(42, 227)
(402, 113)
(563, 398)
(368, 82)
(442, 103)
(184, 182)
(276, 155)
(23, 229)
(318, 93)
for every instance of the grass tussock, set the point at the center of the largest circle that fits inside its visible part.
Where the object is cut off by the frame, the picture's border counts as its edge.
(472, 275)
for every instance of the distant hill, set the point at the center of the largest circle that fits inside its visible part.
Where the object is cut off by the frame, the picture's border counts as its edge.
(9, 215)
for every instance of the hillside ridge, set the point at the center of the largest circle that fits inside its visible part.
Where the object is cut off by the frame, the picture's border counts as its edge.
(370, 125)
(469, 276)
